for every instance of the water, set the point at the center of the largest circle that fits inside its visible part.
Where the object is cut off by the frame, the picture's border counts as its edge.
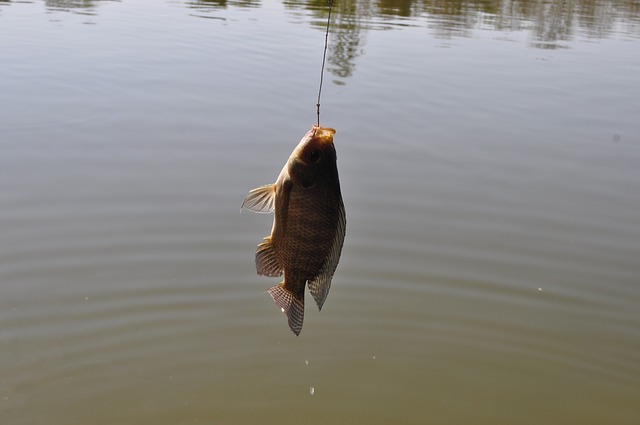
(489, 155)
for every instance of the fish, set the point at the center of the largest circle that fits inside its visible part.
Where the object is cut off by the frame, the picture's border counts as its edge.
(309, 225)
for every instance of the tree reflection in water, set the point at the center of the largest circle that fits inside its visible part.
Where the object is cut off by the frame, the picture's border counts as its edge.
(86, 7)
(551, 23)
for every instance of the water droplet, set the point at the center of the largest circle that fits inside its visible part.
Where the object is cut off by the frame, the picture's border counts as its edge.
(312, 390)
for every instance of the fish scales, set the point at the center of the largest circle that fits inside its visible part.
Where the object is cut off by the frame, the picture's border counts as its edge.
(304, 236)
(309, 225)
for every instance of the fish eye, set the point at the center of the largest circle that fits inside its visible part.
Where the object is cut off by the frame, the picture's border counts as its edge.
(314, 156)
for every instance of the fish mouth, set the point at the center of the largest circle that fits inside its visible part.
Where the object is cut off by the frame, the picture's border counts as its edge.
(322, 134)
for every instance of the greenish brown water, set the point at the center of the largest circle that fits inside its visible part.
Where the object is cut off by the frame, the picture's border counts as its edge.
(489, 155)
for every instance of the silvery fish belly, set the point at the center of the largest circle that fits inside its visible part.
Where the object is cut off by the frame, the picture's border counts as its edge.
(308, 227)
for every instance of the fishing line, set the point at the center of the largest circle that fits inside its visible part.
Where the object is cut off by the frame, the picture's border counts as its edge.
(324, 56)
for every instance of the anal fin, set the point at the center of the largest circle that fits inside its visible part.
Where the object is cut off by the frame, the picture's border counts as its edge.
(290, 305)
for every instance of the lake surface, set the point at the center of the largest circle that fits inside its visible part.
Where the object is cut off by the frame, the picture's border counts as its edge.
(489, 155)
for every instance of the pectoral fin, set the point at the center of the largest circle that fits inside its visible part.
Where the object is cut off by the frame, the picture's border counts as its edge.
(261, 199)
(267, 263)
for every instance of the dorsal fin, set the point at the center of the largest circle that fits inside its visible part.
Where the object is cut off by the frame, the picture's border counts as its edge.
(319, 285)
(261, 199)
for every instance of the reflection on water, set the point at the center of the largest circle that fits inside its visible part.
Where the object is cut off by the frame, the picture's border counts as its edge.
(350, 19)
(549, 21)
(210, 9)
(548, 24)
(222, 4)
(85, 7)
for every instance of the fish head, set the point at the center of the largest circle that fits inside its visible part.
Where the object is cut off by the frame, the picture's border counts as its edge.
(314, 158)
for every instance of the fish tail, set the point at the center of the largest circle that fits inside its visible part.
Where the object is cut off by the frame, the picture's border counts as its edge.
(290, 305)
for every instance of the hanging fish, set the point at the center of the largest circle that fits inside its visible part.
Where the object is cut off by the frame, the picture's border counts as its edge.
(308, 227)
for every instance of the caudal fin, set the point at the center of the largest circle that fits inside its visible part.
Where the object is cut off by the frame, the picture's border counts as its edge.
(290, 305)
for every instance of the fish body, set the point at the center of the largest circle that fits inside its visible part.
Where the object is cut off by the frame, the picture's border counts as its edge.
(308, 227)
